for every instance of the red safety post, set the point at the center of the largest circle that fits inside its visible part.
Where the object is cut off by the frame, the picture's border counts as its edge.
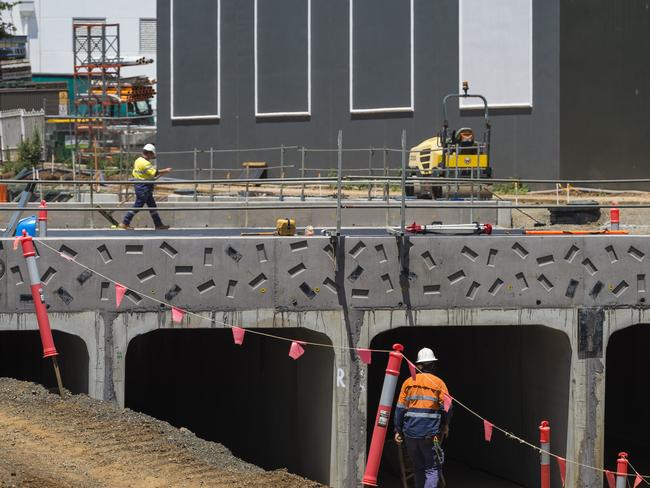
(614, 217)
(621, 470)
(383, 415)
(42, 219)
(545, 459)
(29, 253)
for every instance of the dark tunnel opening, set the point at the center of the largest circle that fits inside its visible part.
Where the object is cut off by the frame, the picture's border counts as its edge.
(627, 397)
(21, 357)
(265, 407)
(513, 376)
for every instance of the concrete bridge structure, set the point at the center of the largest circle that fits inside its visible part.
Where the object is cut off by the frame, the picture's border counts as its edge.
(526, 328)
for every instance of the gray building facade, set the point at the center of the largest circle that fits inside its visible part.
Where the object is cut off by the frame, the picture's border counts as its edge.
(236, 74)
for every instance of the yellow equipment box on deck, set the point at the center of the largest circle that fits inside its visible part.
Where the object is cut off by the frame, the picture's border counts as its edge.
(285, 227)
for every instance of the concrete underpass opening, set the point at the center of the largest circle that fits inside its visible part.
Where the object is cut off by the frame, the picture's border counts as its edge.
(21, 357)
(627, 397)
(515, 376)
(265, 407)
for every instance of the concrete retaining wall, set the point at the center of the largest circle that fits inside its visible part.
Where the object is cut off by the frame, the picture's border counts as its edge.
(350, 289)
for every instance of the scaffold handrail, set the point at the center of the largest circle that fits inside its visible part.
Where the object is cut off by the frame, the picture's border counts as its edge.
(350, 179)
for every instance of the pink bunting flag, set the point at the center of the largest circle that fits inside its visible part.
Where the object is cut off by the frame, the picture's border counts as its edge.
(412, 369)
(177, 314)
(296, 350)
(637, 480)
(16, 241)
(611, 482)
(446, 401)
(238, 335)
(365, 355)
(561, 462)
(487, 427)
(119, 293)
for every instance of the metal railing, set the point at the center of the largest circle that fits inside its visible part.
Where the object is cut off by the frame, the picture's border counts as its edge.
(296, 159)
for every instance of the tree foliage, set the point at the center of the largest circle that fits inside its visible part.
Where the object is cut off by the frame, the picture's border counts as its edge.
(30, 150)
(7, 29)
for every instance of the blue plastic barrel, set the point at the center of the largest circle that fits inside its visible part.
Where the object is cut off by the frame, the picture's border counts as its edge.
(28, 224)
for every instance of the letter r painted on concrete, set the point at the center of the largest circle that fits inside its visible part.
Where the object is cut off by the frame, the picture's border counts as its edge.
(340, 374)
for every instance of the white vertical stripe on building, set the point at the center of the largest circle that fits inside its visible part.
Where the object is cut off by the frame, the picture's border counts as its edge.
(496, 51)
(148, 36)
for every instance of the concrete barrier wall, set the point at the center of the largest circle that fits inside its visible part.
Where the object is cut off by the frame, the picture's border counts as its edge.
(319, 273)
(350, 289)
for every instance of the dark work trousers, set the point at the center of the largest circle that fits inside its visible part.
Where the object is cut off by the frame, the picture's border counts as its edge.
(426, 467)
(143, 196)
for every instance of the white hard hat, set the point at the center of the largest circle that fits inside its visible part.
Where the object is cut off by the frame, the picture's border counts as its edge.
(425, 355)
(149, 148)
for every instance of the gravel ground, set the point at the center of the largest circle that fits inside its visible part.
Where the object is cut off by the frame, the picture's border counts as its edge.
(52, 442)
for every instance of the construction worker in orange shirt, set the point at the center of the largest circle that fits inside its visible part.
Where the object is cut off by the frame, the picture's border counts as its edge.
(422, 423)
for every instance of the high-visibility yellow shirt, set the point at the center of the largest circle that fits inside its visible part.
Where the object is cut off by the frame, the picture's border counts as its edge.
(144, 170)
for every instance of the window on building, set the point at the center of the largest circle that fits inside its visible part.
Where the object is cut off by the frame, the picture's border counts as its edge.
(496, 51)
(148, 36)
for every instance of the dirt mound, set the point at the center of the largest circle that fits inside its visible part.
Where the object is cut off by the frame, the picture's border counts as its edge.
(49, 442)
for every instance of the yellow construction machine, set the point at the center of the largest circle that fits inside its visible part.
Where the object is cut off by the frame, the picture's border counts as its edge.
(450, 154)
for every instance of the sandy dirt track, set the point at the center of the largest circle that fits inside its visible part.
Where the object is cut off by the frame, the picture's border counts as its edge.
(49, 442)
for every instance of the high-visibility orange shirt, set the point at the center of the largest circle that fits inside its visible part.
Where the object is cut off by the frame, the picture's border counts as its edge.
(420, 406)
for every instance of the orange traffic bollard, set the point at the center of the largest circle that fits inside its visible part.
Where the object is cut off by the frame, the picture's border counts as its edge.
(614, 218)
(383, 415)
(621, 470)
(42, 219)
(545, 459)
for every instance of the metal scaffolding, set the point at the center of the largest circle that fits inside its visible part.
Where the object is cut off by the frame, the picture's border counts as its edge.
(97, 65)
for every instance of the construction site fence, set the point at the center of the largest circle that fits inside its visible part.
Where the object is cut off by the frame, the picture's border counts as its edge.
(247, 188)
(346, 180)
(374, 173)
(301, 161)
(17, 125)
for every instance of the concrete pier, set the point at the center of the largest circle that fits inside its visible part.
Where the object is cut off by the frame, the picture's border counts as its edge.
(521, 325)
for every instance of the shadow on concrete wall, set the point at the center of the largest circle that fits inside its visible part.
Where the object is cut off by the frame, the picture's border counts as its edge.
(514, 376)
(265, 407)
(21, 357)
(627, 397)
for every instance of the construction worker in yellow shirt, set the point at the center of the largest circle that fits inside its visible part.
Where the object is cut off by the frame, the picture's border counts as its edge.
(145, 173)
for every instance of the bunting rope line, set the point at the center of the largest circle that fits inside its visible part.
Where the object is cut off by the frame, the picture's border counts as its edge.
(203, 317)
(512, 436)
(505, 432)
(643, 478)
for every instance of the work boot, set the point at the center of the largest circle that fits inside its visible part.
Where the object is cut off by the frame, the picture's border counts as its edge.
(162, 227)
(124, 226)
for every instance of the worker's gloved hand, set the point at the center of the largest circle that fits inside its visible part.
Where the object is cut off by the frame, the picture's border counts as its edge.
(445, 432)
(398, 438)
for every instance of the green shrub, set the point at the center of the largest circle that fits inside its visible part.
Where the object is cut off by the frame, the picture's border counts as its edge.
(30, 150)
(510, 188)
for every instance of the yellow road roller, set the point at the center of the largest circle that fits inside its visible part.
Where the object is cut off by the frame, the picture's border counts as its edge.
(451, 154)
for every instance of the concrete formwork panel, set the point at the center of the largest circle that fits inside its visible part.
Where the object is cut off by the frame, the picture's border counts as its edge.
(356, 288)
(229, 273)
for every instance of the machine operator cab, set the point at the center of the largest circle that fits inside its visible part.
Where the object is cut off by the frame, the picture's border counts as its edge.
(451, 154)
